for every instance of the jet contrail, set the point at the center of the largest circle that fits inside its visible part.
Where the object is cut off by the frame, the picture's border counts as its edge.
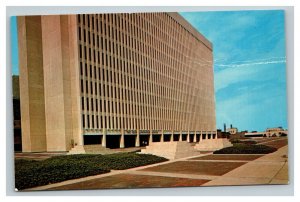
(272, 60)
(251, 63)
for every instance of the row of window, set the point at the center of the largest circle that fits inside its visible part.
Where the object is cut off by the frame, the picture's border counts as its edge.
(110, 91)
(162, 105)
(142, 25)
(100, 122)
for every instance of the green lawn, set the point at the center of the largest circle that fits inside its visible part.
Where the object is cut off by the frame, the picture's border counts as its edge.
(31, 173)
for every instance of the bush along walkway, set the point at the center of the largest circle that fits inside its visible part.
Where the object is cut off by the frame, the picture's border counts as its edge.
(31, 173)
(241, 148)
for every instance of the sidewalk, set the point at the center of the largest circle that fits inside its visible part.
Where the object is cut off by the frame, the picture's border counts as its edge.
(269, 169)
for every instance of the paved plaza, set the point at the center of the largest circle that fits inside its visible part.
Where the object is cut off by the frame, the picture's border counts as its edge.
(202, 170)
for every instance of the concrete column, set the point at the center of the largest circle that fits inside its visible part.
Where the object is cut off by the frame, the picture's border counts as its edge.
(195, 137)
(201, 136)
(172, 137)
(188, 137)
(31, 85)
(122, 139)
(216, 134)
(150, 137)
(137, 139)
(162, 136)
(180, 136)
(104, 138)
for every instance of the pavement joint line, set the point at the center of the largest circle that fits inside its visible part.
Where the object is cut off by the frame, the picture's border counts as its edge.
(229, 161)
(277, 172)
(238, 154)
(174, 175)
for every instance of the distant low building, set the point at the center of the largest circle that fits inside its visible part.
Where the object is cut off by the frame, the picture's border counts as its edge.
(276, 132)
(255, 134)
(270, 132)
(232, 131)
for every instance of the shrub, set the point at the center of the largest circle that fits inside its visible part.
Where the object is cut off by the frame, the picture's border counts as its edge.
(235, 141)
(37, 173)
(30, 173)
(248, 142)
(283, 135)
(246, 149)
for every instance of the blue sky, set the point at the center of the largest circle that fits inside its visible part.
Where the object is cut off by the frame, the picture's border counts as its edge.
(14, 44)
(249, 65)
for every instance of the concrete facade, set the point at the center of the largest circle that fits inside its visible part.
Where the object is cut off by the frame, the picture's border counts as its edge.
(117, 80)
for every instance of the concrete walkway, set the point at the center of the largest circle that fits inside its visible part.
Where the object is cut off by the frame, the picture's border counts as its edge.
(200, 170)
(269, 169)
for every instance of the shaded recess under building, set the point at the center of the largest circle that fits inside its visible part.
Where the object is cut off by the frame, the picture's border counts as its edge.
(16, 114)
(117, 80)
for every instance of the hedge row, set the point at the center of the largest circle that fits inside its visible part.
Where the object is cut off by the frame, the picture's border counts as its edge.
(246, 149)
(30, 173)
(237, 141)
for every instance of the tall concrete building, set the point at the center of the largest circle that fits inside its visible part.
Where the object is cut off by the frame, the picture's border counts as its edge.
(117, 80)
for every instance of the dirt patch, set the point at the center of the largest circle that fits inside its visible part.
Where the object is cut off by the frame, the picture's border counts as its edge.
(277, 144)
(228, 157)
(132, 181)
(198, 168)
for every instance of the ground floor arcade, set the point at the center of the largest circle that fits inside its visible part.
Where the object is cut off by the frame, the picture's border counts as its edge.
(127, 139)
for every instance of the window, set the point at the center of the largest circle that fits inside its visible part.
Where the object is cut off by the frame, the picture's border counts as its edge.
(100, 89)
(100, 107)
(87, 86)
(96, 91)
(91, 87)
(97, 121)
(93, 39)
(81, 69)
(79, 33)
(84, 35)
(83, 121)
(96, 105)
(93, 22)
(87, 103)
(82, 103)
(102, 58)
(81, 85)
(90, 54)
(86, 70)
(91, 73)
(80, 51)
(92, 121)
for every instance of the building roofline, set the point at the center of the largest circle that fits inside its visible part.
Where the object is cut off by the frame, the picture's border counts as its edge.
(177, 17)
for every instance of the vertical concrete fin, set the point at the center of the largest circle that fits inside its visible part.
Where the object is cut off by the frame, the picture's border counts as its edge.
(31, 84)
(53, 82)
